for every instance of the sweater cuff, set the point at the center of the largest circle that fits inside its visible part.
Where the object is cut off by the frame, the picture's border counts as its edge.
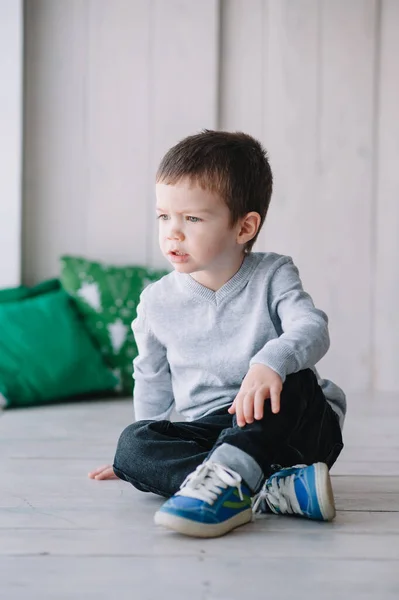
(278, 357)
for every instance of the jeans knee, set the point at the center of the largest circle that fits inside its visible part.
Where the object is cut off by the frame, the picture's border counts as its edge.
(130, 446)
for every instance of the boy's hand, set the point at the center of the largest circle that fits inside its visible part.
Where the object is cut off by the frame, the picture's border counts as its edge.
(259, 384)
(104, 472)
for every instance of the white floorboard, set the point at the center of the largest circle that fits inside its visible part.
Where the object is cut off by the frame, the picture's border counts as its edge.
(63, 536)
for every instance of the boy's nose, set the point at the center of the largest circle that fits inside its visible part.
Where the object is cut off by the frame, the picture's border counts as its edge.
(175, 235)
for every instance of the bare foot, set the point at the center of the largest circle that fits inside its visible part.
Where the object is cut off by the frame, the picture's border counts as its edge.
(104, 472)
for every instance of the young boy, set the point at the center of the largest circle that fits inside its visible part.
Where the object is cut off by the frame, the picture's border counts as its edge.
(231, 339)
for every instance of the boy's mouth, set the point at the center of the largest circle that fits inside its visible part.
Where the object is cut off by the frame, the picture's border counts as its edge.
(178, 257)
(177, 253)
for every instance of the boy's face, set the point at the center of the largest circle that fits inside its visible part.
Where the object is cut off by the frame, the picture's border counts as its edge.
(195, 222)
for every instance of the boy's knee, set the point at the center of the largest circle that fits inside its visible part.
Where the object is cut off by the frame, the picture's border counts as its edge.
(301, 385)
(130, 445)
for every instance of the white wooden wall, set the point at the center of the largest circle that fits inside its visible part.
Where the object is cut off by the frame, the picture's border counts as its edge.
(111, 85)
(11, 38)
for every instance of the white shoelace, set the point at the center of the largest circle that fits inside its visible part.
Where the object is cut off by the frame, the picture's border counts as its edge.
(279, 492)
(207, 481)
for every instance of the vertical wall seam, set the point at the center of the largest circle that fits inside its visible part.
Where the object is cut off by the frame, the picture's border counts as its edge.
(319, 92)
(263, 62)
(374, 186)
(263, 134)
(24, 126)
(86, 127)
(150, 112)
(20, 134)
(219, 9)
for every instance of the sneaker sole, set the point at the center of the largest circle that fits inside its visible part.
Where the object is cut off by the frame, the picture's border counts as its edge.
(324, 491)
(202, 530)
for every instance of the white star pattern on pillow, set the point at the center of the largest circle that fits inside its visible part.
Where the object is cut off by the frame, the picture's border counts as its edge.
(91, 294)
(117, 333)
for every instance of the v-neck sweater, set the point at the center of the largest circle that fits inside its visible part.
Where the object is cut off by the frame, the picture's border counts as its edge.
(196, 345)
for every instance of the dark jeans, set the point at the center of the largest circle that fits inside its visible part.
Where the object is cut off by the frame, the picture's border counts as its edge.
(156, 456)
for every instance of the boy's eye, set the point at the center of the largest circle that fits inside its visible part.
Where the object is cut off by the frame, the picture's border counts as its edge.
(196, 219)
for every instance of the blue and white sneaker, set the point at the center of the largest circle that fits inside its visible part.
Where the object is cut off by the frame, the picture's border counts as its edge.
(300, 490)
(211, 501)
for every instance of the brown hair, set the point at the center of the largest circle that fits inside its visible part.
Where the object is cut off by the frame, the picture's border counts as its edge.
(233, 165)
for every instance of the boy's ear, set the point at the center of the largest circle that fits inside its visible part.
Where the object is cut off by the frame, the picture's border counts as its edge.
(249, 227)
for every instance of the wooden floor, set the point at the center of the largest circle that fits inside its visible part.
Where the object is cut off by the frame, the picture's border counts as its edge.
(63, 536)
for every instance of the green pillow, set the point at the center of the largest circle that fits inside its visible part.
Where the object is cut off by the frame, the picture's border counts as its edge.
(46, 353)
(22, 292)
(107, 297)
(14, 294)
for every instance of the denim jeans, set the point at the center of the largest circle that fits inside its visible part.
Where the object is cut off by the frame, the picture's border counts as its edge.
(156, 456)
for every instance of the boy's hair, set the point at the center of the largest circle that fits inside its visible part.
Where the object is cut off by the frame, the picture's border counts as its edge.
(234, 165)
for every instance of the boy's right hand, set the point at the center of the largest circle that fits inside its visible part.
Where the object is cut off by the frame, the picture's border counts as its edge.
(104, 472)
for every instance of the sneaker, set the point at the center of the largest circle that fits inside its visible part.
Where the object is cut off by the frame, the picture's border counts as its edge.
(211, 501)
(300, 490)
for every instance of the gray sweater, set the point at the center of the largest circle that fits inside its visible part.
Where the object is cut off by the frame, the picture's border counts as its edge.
(196, 345)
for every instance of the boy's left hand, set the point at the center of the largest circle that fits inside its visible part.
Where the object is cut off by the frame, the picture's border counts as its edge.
(104, 472)
(259, 384)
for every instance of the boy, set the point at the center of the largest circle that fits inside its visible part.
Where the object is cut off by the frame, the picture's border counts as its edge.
(231, 339)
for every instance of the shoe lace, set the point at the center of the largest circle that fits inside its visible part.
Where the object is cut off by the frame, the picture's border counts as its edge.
(259, 499)
(278, 492)
(208, 480)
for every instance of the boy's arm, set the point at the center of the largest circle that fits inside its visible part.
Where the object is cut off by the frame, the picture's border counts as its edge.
(304, 337)
(153, 393)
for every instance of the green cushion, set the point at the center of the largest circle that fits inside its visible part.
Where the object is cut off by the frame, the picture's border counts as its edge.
(46, 353)
(13, 294)
(107, 297)
(22, 292)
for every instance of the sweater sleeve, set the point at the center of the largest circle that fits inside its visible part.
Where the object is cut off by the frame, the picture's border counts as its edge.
(153, 393)
(303, 329)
